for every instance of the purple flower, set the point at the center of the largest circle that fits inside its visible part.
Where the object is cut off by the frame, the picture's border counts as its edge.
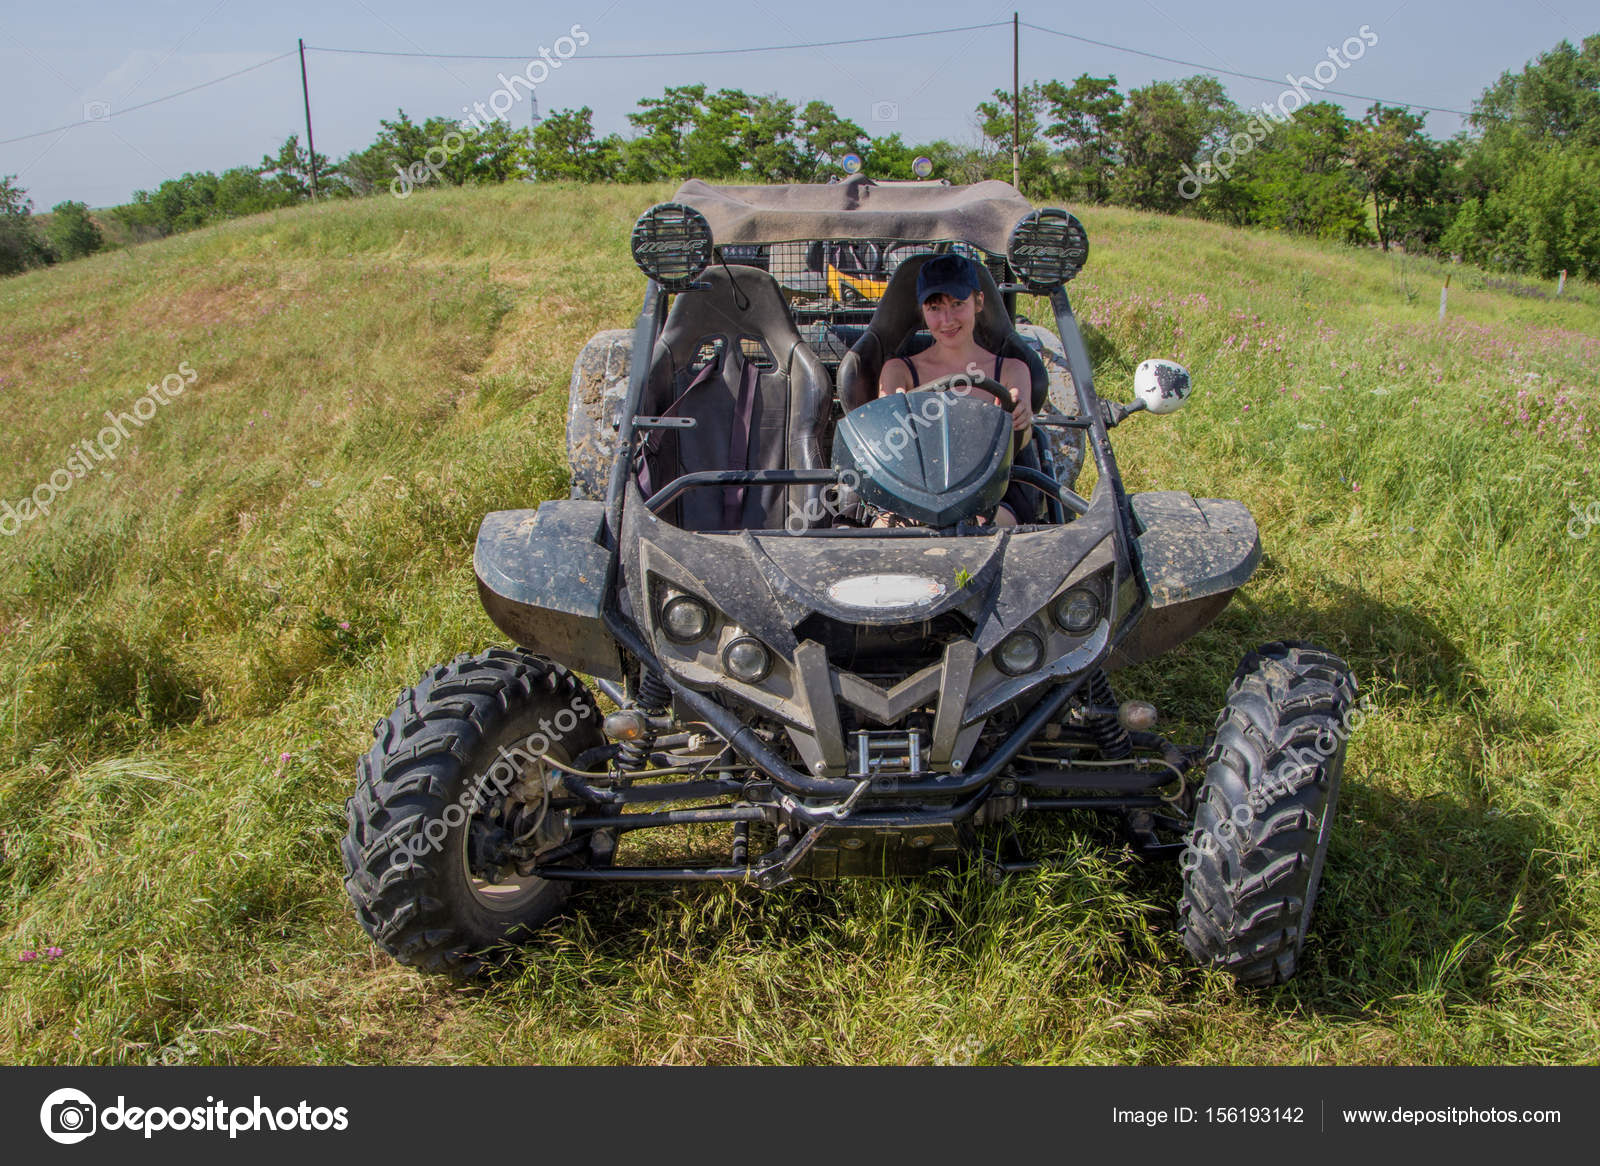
(28, 957)
(285, 758)
(53, 953)
(344, 625)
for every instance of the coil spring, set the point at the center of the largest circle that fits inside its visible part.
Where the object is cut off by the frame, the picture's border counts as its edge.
(1108, 733)
(653, 699)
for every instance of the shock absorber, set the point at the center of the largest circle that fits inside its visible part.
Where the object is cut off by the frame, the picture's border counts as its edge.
(1108, 732)
(653, 700)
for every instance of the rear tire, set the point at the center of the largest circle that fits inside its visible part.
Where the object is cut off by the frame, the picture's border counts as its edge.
(446, 763)
(1264, 812)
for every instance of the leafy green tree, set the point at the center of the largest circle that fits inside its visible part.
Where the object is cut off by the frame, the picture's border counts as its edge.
(1159, 137)
(290, 170)
(768, 145)
(963, 164)
(73, 234)
(1301, 181)
(1003, 118)
(20, 245)
(440, 150)
(1536, 141)
(196, 199)
(1555, 99)
(826, 138)
(1397, 165)
(664, 122)
(564, 148)
(891, 157)
(1544, 219)
(1084, 119)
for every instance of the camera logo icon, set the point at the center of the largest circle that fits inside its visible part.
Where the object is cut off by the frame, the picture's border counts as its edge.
(97, 111)
(68, 1116)
(885, 111)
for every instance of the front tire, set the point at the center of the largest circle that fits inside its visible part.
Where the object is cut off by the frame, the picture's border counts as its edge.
(1264, 812)
(453, 768)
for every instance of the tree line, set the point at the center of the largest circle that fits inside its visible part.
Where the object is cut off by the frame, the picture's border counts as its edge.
(1518, 190)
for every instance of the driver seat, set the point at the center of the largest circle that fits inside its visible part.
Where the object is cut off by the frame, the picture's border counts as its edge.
(897, 330)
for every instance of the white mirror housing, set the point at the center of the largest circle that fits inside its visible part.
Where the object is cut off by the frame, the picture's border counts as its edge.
(1162, 386)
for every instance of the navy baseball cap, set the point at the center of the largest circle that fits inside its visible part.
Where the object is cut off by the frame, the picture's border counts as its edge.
(946, 275)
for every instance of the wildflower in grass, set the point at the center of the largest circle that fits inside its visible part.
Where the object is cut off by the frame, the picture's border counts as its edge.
(53, 953)
(344, 625)
(28, 957)
(285, 758)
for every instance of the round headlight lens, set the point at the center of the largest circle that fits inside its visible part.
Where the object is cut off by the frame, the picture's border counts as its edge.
(1019, 654)
(685, 619)
(747, 659)
(1077, 611)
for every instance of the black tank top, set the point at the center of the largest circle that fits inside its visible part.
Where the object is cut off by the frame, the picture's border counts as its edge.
(917, 380)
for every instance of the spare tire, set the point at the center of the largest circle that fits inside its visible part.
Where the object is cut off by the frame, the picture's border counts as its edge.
(594, 410)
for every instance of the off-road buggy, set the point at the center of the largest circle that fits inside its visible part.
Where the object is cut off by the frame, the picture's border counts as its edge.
(813, 695)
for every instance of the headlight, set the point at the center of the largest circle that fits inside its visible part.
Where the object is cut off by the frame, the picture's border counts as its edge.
(1048, 248)
(747, 659)
(672, 245)
(1076, 611)
(685, 619)
(1019, 653)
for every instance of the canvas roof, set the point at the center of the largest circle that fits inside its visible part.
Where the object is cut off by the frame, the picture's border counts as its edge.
(982, 214)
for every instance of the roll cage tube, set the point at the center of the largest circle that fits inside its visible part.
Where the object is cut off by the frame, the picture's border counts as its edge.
(1082, 370)
(652, 319)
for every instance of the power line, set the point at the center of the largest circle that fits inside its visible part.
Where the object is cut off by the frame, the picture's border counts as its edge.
(820, 44)
(1231, 73)
(154, 100)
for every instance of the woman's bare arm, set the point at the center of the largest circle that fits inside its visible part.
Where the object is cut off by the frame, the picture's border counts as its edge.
(895, 378)
(1014, 375)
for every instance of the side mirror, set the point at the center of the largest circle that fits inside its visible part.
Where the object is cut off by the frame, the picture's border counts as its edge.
(1161, 386)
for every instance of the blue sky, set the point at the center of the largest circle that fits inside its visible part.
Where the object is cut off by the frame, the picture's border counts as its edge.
(66, 65)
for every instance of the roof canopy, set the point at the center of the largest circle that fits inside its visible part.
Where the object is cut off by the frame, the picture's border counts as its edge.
(982, 214)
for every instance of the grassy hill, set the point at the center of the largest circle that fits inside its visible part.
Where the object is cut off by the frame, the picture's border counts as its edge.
(196, 639)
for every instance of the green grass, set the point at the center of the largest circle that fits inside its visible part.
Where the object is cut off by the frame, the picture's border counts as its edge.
(181, 706)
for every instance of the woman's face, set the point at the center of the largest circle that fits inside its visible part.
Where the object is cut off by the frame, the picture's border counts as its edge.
(950, 321)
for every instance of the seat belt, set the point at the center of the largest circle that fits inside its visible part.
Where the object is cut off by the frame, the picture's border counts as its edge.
(739, 442)
(705, 374)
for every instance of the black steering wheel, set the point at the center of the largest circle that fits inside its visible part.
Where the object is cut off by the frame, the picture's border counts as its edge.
(961, 384)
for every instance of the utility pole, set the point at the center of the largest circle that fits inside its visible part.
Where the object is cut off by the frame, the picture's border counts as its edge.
(311, 143)
(1016, 112)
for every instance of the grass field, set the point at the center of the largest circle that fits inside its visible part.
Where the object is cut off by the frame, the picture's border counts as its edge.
(196, 640)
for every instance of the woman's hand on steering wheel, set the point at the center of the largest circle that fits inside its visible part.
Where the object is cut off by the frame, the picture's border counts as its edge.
(962, 384)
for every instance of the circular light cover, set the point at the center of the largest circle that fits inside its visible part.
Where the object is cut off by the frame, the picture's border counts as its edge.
(1077, 610)
(1019, 653)
(672, 245)
(922, 166)
(881, 592)
(852, 163)
(685, 619)
(1048, 248)
(747, 659)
